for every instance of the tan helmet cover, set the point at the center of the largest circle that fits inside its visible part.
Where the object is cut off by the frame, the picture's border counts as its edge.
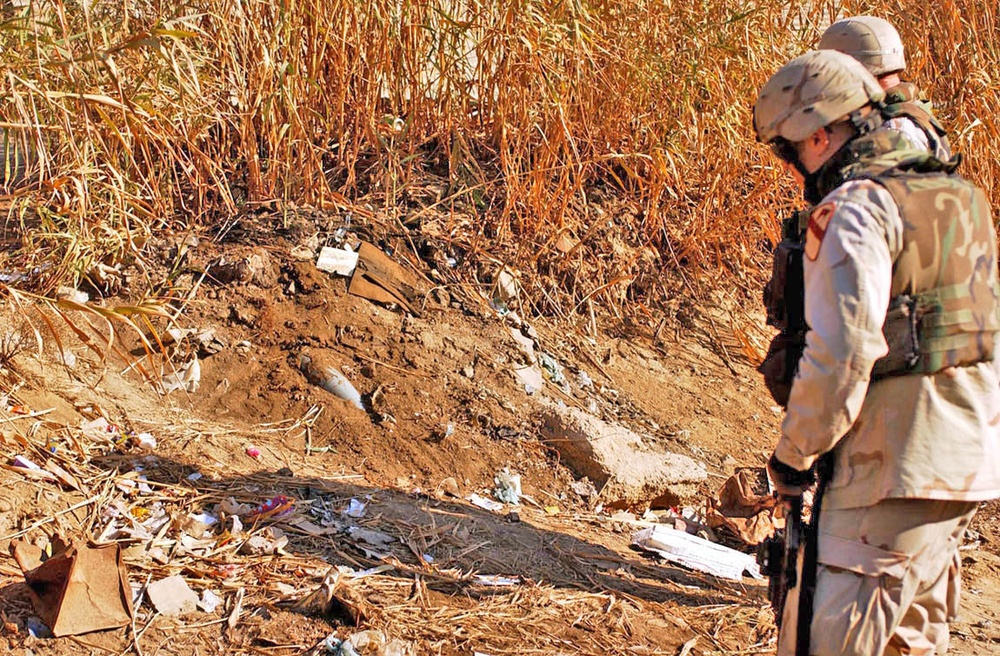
(872, 41)
(810, 92)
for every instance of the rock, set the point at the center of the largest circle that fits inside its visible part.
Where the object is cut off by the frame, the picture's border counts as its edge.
(448, 486)
(628, 469)
(252, 266)
(172, 596)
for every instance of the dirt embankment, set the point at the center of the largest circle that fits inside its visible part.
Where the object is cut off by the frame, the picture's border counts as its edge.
(445, 410)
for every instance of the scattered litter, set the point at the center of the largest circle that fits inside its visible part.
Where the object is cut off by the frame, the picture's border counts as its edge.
(276, 506)
(21, 462)
(209, 601)
(68, 358)
(531, 377)
(551, 369)
(378, 278)
(341, 261)
(268, 542)
(100, 430)
(64, 293)
(484, 503)
(253, 451)
(234, 614)
(687, 520)
(585, 488)
(146, 441)
(302, 253)
(309, 528)
(172, 596)
(356, 509)
(371, 571)
(37, 628)
(62, 475)
(525, 344)
(367, 643)
(696, 553)
(79, 589)
(187, 377)
(208, 342)
(746, 507)
(194, 476)
(508, 486)
(323, 374)
(204, 518)
(374, 538)
(506, 286)
(232, 507)
(583, 381)
(495, 580)
(338, 647)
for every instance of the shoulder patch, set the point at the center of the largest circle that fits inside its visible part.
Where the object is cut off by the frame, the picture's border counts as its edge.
(819, 219)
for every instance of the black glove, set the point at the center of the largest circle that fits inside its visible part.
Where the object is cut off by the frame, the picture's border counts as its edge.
(788, 481)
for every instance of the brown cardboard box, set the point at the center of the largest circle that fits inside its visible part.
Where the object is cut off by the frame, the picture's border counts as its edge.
(80, 589)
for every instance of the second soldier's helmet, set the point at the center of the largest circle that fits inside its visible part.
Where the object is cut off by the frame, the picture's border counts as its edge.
(812, 91)
(872, 41)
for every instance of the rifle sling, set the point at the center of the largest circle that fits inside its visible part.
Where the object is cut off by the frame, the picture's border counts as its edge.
(807, 584)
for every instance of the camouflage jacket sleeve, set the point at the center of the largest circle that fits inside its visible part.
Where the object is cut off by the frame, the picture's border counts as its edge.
(848, 277)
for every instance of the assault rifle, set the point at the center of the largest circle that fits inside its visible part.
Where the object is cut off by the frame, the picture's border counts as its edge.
(778, 559)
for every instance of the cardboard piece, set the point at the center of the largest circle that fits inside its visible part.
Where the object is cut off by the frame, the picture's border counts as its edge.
(746, 507)
(172, 596)
(378, 278)
(80, 589)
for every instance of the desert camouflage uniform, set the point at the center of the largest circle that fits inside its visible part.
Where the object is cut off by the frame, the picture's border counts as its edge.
(913, 453)
(913, 117)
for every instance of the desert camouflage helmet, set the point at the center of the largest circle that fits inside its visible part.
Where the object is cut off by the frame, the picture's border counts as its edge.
(872, 41)
(812, 91)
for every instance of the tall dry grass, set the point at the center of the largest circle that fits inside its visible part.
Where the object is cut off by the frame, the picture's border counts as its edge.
(621, 124)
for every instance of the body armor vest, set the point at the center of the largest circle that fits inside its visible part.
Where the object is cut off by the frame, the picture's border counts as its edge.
(945, 304)
(904, 100)
(945, 308)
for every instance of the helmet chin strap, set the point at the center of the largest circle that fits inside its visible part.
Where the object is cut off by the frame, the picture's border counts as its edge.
(826, 178)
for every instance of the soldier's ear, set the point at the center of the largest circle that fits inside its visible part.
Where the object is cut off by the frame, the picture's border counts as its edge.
(821, 139)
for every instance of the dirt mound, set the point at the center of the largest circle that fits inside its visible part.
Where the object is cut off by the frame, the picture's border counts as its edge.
(445, 410)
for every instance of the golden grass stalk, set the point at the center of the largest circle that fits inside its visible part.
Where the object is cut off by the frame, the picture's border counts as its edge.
(133, 116)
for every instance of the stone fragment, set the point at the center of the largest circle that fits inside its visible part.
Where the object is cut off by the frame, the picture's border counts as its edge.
(627, 468)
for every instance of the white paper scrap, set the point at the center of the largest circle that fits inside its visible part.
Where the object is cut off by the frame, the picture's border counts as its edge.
(697, 553)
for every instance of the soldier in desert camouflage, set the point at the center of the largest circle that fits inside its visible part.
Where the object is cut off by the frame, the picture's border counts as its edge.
(898, 380)
(876, 44)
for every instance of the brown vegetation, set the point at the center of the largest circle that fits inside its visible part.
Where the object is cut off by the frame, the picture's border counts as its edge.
(507, 126)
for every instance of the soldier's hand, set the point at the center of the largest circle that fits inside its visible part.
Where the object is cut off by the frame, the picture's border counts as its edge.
(788, 481)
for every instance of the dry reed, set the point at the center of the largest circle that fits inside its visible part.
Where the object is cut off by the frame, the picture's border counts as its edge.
(593, 145)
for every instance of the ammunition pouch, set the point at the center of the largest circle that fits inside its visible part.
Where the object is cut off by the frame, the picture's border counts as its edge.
(784, 294)
(902, 333)
(784, 298)
(781, 364)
